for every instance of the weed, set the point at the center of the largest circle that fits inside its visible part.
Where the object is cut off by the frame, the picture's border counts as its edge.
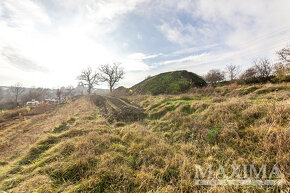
(60, 128)
(212, 133)
(35, 152)
(3, 163)
(120, 124)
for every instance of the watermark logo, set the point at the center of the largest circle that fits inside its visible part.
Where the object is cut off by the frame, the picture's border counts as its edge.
(239, 175)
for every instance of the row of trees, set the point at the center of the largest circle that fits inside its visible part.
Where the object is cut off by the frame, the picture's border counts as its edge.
(17, 94)
(111, 74)
(261, 70)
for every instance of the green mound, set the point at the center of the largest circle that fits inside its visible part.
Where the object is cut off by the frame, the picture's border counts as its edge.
(175, 82)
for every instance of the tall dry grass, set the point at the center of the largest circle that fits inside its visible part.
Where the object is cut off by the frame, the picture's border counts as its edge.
(215, 126)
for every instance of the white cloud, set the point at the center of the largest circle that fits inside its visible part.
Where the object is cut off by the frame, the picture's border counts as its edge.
(63, 44)
(193, 49)
(196, 59)
(239, 30)
(231, 21)
(142, 56)
(178, 33)
(125, 44)
(25, 14)
(134, 62)
(71, 35)
(139, 36)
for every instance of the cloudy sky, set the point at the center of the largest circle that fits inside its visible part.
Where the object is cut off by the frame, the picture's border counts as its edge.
(48, 42)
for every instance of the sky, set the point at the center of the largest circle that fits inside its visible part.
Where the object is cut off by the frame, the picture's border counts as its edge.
(47, 43)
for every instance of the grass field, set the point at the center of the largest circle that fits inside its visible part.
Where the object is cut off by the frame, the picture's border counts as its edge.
(73, 148)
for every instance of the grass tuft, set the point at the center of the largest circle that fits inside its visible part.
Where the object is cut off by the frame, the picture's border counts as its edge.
(35, 152)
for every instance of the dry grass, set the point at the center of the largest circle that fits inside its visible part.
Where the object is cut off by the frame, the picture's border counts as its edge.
(73, 149)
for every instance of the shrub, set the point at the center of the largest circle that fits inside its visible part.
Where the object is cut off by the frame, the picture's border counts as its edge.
(60, 128)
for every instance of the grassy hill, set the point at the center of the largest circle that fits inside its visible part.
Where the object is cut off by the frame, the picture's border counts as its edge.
(75, 147)
(169, 83)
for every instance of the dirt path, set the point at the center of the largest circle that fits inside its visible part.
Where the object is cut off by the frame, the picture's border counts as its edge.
(118, 109)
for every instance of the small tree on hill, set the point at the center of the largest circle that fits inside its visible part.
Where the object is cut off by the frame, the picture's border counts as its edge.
(111, 74)
(260, 71)
(214, 76)
(284, 54)
(282, 69)
(89, 78)
(263, 68)
(232, 71)
(249, 75)
(17, 90)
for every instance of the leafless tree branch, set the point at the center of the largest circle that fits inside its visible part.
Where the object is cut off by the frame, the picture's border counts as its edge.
(89, 78)
(263, 68)
(232, 71)
(111, 74)
(17, 90)
(284, 54)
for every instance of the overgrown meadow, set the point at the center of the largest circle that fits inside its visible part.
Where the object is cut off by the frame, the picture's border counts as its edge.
(72, 148)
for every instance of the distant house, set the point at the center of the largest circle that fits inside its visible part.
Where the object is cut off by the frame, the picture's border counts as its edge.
(55, 101)
(32, 103)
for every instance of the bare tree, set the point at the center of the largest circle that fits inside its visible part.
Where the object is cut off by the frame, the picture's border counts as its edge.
(111, 74)
(38, 94)
(89, 78)
(249, 75)
(214, 76)
(16, 90)
(284, 54)
(263, 68)
(281, 71)
(70, 91)
(58, 93)
(232, 71)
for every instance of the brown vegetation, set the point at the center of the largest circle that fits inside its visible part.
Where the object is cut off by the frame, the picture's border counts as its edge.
(74, 149)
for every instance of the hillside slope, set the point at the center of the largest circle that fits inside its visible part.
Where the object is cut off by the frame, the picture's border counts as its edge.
(76, 148)
(169, 83)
